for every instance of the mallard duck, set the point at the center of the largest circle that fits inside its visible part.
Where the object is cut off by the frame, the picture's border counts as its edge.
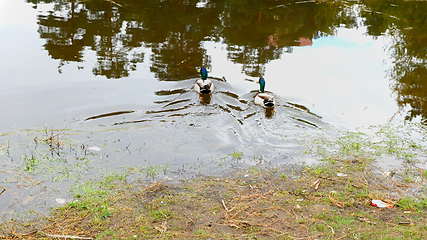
(263, 98)
(204, 85)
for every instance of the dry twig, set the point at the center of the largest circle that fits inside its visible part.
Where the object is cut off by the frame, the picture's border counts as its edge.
(225, 207)
(316, 184)
(117, 4)
(65, 236)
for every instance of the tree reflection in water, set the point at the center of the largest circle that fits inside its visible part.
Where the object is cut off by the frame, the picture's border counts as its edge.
(406, 23)
(255, 32)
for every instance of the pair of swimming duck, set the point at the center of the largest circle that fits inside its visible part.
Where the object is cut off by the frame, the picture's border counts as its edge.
(206, 86)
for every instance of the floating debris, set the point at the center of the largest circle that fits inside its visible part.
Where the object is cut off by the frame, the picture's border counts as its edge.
(94, 148)
(381, 204)
(61, 201)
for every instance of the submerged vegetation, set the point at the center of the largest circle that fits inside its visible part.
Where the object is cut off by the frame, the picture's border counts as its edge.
(54, 152)
(405, 143)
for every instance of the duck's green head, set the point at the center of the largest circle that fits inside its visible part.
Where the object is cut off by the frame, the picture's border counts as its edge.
(261, 84)
(203, 73)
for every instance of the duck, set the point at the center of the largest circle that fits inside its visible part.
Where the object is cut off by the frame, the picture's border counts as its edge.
(204, 85)
(263, 98)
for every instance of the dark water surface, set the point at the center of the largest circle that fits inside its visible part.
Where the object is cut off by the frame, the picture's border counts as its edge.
(118, 76)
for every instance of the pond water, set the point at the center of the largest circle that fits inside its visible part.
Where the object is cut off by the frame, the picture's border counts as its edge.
(119, 75)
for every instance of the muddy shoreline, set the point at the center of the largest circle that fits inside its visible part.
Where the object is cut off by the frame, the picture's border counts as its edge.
(332, 200)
